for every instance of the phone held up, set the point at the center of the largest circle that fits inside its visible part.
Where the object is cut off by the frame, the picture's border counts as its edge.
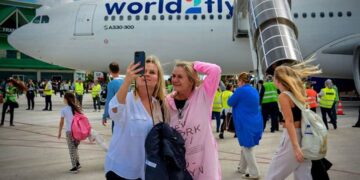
(140, 58)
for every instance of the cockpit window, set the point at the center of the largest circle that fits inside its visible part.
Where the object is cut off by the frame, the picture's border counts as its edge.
(37, 20)
(45, 19)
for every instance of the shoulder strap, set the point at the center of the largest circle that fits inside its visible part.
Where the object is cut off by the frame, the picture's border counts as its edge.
(297, 102)
(162, 111)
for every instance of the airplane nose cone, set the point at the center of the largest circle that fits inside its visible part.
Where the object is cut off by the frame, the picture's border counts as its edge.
(13, 39)
(22, 41)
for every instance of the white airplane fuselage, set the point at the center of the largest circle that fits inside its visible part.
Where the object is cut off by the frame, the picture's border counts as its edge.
(83, 35)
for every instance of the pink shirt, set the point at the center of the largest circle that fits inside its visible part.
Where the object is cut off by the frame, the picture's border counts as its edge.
(201, 148)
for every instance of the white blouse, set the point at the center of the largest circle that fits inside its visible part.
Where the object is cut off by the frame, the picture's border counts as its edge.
(126, 154)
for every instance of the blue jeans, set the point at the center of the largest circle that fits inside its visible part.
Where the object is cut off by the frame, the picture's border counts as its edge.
(217, 117)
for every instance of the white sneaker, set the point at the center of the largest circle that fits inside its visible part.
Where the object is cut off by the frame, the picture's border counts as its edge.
(248, 176)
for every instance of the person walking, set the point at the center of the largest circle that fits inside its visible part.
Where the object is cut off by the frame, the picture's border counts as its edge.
(289, 157)
(190, 109)
(11, 91)
(133, 114)
(311, 97)
(217, 108)
(95, 92)
(248, 124)
(30, 94)
(79, 91)
(269, 105)
(48, 91)
(112, 88)
(67, 115)
(327, 98)
(227, 109)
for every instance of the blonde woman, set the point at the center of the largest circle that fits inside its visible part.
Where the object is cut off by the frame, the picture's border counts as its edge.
(133, 114)
(289, 157)
(190, 110)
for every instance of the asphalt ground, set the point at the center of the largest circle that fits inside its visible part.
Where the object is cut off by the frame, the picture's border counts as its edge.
(31, 150)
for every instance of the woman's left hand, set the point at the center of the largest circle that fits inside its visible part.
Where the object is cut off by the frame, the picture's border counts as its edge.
(299, 154)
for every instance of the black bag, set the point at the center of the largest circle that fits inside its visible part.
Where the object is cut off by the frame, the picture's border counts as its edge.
(165, 154)
(229, 123)
(14, 104)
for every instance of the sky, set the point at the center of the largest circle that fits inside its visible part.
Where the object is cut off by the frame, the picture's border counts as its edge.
(49, 3)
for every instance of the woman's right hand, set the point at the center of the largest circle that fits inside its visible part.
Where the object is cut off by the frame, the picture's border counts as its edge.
(299, 154)
(132, 72)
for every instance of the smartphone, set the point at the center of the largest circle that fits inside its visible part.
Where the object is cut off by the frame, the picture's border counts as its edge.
(140, 58)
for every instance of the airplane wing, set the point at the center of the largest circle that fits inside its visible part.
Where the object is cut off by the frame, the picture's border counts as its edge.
(344, 46)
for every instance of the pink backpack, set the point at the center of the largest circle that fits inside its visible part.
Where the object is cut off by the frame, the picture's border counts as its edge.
(80, 127)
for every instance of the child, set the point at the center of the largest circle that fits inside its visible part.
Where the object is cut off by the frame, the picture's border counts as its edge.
(67, 114)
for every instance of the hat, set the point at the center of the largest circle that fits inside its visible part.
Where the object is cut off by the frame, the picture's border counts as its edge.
(328, 83)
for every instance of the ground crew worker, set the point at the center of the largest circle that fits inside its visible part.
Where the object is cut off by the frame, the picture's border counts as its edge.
(96, 89)
(226, 108)
(312, 97)
(169, 86)
(269, 105)
(48, 90)
(79, 91)
(327, 99)
(217, 108)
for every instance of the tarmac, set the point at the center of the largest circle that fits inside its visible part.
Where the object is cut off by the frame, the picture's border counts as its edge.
(31, 150)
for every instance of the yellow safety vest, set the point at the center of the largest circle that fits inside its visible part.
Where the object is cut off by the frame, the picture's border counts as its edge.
(79, 88)
(327, 100)
(270, 94)
(225, 97)
(96, 90)
(217, 105)
(47, 91)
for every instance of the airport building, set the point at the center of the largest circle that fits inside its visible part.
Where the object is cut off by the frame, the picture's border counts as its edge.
(15, 64)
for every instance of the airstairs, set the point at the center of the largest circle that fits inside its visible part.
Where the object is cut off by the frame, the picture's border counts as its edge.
(271, 30)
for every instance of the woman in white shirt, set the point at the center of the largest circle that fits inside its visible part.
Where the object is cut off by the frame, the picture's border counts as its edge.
(133, 115)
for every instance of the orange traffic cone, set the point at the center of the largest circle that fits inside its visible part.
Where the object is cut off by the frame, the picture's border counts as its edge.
(340, 109)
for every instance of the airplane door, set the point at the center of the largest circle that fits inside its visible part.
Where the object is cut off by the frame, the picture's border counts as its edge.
(84, 20)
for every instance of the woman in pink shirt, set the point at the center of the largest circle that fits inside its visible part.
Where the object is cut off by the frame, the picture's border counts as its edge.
(190, 109)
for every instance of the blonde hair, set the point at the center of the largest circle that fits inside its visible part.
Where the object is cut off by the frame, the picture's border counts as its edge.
(159, 92)
(292, 77)
(244, 77)
(190, 72)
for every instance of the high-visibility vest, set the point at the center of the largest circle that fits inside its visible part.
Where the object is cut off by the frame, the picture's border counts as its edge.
(79, 88)
(311, 95)
(10, 94)
(169, 88)
(271, 94)
(217, 105)
(96, 90)
(47, 91)
(225, 97)
(327, 100)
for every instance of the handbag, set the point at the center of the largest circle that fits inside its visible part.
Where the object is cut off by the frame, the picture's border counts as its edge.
(229, 122)
(14, 104)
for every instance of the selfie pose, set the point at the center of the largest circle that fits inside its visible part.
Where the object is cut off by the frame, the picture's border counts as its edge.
(133, 114)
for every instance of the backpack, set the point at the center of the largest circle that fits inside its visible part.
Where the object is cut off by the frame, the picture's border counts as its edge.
(314, 132)
(80, 127)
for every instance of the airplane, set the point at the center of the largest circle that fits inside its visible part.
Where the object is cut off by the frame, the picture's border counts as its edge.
(89, 34)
